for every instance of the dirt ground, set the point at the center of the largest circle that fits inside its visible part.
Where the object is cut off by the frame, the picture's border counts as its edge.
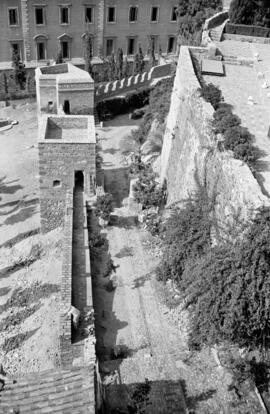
(138, 335)
(30, 263)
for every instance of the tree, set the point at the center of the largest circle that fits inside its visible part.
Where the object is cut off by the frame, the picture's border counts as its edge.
(125, 68)
(59, 57)
(119, 63)
(19, 69)
(191, 15)
(136, 65)
(152, 52)
(112, 67)
(250, 12)
(88, 52)
(141, 60)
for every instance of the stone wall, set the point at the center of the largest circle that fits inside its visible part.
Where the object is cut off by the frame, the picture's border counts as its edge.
(58, 162)
(66, 282)
(243, 38)
(190, 155)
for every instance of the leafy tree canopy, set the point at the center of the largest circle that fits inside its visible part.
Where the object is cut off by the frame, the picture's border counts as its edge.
(250, 12)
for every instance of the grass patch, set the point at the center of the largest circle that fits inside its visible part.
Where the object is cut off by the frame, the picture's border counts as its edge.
(16, 341)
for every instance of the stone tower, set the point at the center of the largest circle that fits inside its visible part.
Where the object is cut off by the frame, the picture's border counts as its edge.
(66, 142)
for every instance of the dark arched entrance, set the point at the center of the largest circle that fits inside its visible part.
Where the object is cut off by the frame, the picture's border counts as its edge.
(79, 180)
(66, 107)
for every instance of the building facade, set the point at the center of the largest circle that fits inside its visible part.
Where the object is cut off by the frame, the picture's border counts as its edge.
(38, 29)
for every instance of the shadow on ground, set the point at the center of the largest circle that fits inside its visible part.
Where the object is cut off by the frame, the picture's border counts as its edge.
(7, 188)
(116, 182)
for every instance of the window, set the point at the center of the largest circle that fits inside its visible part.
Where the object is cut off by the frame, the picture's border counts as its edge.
(64, 15)
(13, 16)
(65, 49)
(133, 14)
(41, 55)
(131, 46)
(89, 12)
(171, 44)
(109, 47)
(111, 15)
(16, 48)
(174, 14)
(39, 14)
(154, 14)
(56, 183)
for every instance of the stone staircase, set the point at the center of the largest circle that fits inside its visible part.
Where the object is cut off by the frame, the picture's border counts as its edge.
(62, 391)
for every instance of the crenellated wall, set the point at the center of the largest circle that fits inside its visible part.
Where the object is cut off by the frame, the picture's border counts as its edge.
(117, 87)
(190, 155)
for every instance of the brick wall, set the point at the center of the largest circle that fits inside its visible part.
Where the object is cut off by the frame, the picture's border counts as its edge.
(66, 281)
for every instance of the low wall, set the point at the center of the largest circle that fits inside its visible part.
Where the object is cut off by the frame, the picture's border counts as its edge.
(243, 38)
(117, 87)
(215, 20)
(69, 270)
(66, 283)
(190, 155)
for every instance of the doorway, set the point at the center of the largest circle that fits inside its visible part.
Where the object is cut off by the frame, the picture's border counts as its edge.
(79, 180)
(66, 107)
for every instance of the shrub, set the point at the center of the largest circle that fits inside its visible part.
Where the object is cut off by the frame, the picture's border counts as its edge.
(211, 94)
(185, 235)
(147, 190)
(229, 289)
(248, 12)
(104, 206)
(225, 123)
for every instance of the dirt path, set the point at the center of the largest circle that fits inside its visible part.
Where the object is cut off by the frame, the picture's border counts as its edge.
(129, 319)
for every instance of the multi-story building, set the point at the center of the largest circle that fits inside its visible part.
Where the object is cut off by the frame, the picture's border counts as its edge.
(39, 28)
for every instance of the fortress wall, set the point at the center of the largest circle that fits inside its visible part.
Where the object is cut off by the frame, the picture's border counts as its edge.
(59, 161)
(190, 155)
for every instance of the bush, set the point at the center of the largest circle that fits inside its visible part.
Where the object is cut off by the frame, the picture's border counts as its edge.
(104, 206)
(211, 94)
(248, 12)
(225, 123)
(229, 290)
(185, 235)
(147, 190)
(159, 105)
(116, 106)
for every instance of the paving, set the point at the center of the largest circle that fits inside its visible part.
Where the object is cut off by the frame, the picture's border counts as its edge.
(242, 83)
(130, 317)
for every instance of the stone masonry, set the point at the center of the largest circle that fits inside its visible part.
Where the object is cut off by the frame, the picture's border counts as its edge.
(64, 88)
(66, 145)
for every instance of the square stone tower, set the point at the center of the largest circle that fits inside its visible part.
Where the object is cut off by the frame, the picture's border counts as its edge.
(64, 89)
(67, 153)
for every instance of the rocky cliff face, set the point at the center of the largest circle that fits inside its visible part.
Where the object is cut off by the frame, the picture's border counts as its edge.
(190, 155)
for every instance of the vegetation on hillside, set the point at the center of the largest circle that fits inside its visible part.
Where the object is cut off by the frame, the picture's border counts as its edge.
(159, 105)
(250, 12)
(226, 287)
(191, 17)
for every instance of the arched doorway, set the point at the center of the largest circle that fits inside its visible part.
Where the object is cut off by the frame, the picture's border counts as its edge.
(79, 180)
(66, 107)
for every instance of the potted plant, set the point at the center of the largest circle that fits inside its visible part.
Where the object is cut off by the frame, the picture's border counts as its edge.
(104, 207)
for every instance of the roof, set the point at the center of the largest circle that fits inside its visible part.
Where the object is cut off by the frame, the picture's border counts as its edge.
(55, 391)
(64, 73)
(67, 129)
